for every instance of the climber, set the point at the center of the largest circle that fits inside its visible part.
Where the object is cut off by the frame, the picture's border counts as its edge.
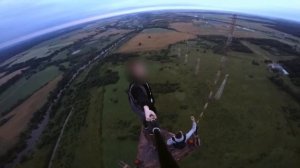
(179, 140)
(140, 96)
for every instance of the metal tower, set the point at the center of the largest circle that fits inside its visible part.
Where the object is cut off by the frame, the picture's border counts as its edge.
(230, 34)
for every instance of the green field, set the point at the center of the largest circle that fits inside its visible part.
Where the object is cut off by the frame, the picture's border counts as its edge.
(26, 87)
(247, 127)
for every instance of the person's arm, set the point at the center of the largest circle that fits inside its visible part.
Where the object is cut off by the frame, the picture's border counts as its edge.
(192, 130)
(143, 101)
(170, 142)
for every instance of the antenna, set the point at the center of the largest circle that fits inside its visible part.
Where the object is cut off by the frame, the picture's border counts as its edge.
(230, 34)
(187, 51)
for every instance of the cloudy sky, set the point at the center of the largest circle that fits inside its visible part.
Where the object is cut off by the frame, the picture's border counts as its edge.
(23, 19)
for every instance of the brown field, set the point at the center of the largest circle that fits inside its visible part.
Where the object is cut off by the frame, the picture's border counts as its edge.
(200, 29)
(158, 40)
(5, 78)
(10, 131)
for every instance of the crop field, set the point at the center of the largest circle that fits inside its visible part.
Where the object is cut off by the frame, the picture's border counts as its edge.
(97, 42)
(7, 77)
(25, 87)
(46, 48)
(41, 157)
(244, 30)
(21, 115)
(213, 28)
(154, 40)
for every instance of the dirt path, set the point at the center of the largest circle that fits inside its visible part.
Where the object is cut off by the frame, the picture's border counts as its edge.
(10, 131)
(58, 139)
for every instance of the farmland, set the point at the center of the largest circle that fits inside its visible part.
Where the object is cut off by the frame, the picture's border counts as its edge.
(7, 77)
(109, 112)
(255, 123)
(21, 115)
(151, 39)
(25, 87)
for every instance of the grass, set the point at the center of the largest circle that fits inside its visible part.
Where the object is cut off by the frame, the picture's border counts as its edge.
(88, 141)
(25, 87)
(239, 130)
(247, 127)
(90, 137)
(114, 114)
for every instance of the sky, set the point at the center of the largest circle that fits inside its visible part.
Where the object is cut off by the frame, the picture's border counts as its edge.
(24, 19)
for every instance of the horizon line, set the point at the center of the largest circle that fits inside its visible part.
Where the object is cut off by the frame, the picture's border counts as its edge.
(114, 14)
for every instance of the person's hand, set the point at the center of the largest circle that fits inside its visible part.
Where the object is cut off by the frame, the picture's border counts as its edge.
(193, 118)
(149, 114)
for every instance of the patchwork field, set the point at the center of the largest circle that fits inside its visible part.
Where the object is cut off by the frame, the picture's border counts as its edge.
(243, 30)
(211, 28)
(7, 77)
(228, 124)
(25, 87)
(46, 48)
(253, 122)
(19, 117)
